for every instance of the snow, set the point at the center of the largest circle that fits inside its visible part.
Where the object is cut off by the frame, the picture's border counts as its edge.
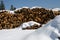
(56, 22)
(28, 24)
(44, 33)
(4, 10)
(14, 34)
(40, 36)
(35, 7)
(48, 32)
(12, 12)
(56, 9)
(25, 7)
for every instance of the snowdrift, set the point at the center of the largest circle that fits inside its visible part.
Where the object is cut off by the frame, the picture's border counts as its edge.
(48, 32)
(14, 34)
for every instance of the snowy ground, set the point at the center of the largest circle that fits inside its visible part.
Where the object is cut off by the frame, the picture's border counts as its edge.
(49, 31)
(14, 34)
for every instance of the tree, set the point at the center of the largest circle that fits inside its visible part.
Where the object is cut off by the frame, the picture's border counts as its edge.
(2, 6)
(12, 7)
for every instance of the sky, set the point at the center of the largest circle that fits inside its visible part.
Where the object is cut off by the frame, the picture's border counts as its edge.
(31, 3)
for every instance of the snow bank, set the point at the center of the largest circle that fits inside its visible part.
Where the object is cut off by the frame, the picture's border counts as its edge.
(48, 32)
(14, 34)
(40, 36)
(45, 33)
(56, 23)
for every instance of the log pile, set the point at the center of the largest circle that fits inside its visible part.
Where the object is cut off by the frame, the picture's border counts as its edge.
(8, 21)
(40, 15)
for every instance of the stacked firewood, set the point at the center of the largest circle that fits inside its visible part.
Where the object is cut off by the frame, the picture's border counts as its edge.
(8, 21)
(40, 15)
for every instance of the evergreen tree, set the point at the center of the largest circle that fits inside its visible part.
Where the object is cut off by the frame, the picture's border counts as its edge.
(2, 7)
(12, 7)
